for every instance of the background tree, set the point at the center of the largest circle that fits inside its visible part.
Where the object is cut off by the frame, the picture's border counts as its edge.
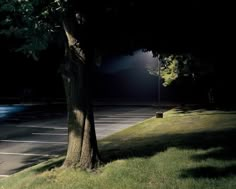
(171, 67)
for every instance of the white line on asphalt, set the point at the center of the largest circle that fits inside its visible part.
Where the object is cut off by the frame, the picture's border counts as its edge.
(4, 176)
(32, 141)
(108, 129)
(113, 124)
(102, 136)
(28, 154)
(123, 114)
(54, 121)
(133, 115)
(123, 117)
(110, 121)
(42, 127)
(50, 134)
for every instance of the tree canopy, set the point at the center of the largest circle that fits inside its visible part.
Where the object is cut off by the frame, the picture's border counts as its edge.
(30, 22)
(116, 26)
(170, 67)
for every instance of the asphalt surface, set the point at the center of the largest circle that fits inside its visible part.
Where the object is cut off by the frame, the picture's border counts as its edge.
(45, 131)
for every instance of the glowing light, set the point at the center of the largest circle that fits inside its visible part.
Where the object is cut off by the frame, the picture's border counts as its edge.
(7, 110)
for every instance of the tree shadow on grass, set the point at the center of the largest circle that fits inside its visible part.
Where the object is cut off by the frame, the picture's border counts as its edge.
(226, 153)
(222, 141)
(205, 109)
(148, 146)
(209, 172)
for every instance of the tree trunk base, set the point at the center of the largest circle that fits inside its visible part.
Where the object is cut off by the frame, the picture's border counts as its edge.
(88, 165)
(70, 164)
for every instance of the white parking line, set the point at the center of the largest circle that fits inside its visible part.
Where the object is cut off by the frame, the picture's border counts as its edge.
(102, 136)
(123, 117)
(28, 154)
(110, 121)
(133, 115)
(4, 176)
(54, 121)
(107, 129)
(113, 124)
(50, 134)
(32, 141)
(42, 127)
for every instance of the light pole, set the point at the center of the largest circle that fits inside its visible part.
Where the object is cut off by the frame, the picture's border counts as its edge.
(159, 113)
(159, 80)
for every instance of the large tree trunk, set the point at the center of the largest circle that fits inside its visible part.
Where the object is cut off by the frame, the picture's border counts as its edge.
(74, 120)
(89, 153)
(82, 143)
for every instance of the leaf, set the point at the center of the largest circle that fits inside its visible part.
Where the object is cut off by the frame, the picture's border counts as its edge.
(7, 8)
(6, 33)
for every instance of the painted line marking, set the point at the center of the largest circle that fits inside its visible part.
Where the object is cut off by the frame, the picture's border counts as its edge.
(108, 129)
(123, 114)
(32, 141)
(110, 121)
(112, 124)
(54, 121)
(103, 135)
(28, 154)
(123, 117)
(42, 127)
(50, 134)
(5, 176)
(133, 115)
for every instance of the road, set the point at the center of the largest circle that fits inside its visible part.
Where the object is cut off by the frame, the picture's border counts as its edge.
(46, 133)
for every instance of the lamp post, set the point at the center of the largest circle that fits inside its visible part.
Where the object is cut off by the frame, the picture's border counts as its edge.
(159, 113)
(159, 80)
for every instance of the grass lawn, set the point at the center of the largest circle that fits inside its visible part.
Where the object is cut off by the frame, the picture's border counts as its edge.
(187, 149)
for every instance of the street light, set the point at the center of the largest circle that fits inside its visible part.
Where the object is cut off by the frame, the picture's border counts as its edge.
(159, 113)
(159, 79)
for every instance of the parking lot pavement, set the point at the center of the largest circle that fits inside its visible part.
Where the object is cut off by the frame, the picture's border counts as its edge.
(46, 134)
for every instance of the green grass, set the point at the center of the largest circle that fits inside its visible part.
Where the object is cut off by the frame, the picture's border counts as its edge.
(185, 150)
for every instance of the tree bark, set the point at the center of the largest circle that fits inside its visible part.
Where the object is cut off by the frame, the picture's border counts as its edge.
(75, 115)
(89, 158)
(82, 148)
